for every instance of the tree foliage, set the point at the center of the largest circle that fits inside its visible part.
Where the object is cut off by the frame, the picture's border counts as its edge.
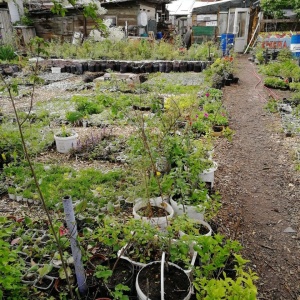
(274, 8)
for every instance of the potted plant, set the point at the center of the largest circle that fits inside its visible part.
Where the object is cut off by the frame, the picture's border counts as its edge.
(11, 192)
(146, 243)
(188, 194)
(116, 277)
(27, 194)
(169, 281)
(208, 175)
(155, 211)
(19, 194)
(65, 140)
(183, 225)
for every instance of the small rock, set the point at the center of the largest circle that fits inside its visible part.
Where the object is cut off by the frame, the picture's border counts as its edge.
(8, 71)
(35, 59)
(289, 230)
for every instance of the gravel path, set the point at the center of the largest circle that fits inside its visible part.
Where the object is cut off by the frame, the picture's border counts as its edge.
(260, 189)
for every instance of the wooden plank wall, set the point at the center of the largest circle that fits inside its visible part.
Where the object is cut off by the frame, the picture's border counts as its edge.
(123, 15)
(61, 28)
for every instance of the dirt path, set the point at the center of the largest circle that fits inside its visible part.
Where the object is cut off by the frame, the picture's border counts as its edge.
(260, 189)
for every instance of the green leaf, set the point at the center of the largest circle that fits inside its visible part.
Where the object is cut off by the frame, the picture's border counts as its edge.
(62, 274)
(27, 220)
(81, 206)
(45, 270)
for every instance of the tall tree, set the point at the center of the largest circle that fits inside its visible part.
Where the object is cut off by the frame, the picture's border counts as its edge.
(274, 8)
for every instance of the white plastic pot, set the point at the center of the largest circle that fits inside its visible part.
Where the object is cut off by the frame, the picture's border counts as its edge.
(138, 265)
(194, 212)
(142, 295)
(201, 222)
(161, 222)
(65, 144)
(209, 174)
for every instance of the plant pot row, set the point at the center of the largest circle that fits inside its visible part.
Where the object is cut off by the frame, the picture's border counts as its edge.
(132, 67)
(21, 198)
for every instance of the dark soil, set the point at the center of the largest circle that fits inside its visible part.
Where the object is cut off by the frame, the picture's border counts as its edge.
(122, 273)
(176, 282)
(260, 187)
(153, 212)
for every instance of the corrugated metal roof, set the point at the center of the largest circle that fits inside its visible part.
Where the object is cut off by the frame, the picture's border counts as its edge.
(180, 7)
(118, 1)
(213, 7)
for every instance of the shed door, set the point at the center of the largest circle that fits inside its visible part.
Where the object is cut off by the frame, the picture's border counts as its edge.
(240, 27)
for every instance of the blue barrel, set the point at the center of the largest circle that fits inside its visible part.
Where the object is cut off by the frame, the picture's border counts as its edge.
(159, 35)
(227, 40)
(295, 45)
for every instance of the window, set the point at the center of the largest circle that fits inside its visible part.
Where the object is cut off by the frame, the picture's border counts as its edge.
(113, 20)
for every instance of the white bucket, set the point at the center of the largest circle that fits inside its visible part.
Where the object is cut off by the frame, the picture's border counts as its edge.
(209, 174)
(142, 296)
(194, 212)
(65, 144)
(161, 222)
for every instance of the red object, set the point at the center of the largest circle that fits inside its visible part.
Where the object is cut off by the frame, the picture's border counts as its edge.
(63, 231)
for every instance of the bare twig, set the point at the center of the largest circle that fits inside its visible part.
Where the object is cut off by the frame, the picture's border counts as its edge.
(265, 246)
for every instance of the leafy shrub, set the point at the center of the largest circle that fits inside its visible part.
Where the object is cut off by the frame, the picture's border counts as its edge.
(7, 53)
(295, 86)
(87, 105)
(74, 116)
(275, 82)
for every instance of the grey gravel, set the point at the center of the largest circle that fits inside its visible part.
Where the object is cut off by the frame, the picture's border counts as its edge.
(188, 78)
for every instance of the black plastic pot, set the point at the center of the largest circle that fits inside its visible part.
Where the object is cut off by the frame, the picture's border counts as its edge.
(198, 66)
(169, 67)
(148, 67)
(117, 66)
(129, 67)
(162, 67)
(91, 66)
(73, 69)
(155, 67)
(110, 65)
(183, 66)
(68, 69)
(176, 66)
(142, 68)
(135, 69)
(190, 66)
(85, 66)
(235, 80)
(124, 267)
(228, 82)
(219, 85)
(79, 69)
(123, 67)
(229, 76)
(103, 66)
